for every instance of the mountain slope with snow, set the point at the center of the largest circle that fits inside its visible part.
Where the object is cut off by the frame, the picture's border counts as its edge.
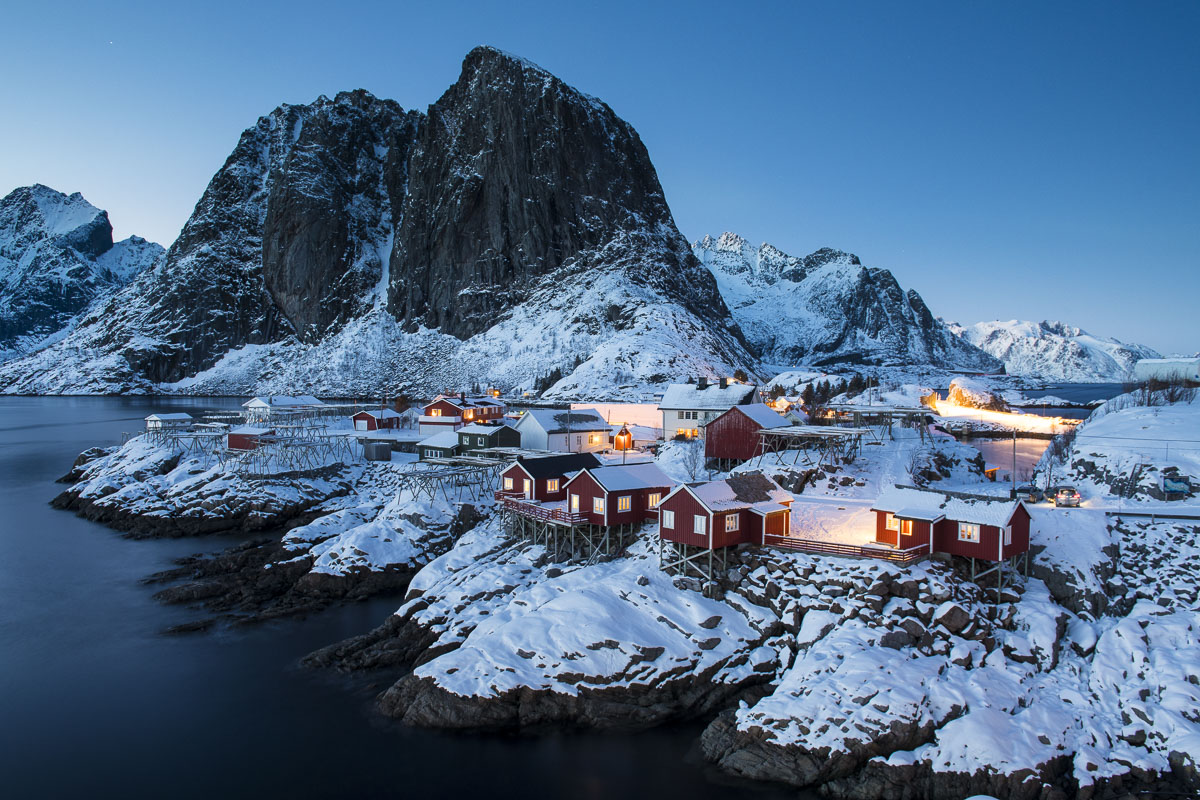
(353, 246)
(1054, 351)
(57, 256)
(827, 308)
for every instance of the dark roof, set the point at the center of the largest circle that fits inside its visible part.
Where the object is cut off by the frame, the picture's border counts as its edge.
(552, 466)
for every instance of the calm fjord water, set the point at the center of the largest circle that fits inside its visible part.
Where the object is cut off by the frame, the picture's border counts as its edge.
(96, 702)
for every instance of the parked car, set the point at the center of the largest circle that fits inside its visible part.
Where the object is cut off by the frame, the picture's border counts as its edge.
(1066, 496)
(1029, 492)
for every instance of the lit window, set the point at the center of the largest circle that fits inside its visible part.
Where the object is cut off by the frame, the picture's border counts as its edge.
(891, 523)
(624, 503)
(597, 505)
(435, 412)
(552, 484)
(508, 484)
(906, 527)
(698, 524)
(968, 532)
(653, 499)
(668, 519)
(593, 438)
(732, 522)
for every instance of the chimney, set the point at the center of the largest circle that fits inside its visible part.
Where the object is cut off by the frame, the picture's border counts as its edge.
(724, 383)
(701, 381)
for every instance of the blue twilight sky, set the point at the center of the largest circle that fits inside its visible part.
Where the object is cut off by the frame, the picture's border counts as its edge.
(1007, 160)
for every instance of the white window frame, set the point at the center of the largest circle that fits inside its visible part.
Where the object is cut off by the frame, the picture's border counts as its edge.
(1008, 535)
(593, 438)
(574, 504)
(653, 499)
(890, 522)
(597, 505)
(527, 487)
(733, 523)
(624, 502)
(699, 524)
(668, 518)
(906, 527)
(508, 484)
(680, 415)
(435, 412)
(552, 484)
(968, 532)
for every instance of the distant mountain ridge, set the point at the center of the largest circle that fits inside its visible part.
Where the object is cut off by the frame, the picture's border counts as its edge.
(827, 308)
(1054, 351)
(57, 256)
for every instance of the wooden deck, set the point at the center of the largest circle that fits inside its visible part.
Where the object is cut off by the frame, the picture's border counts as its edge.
(515, 502)
(902, 557)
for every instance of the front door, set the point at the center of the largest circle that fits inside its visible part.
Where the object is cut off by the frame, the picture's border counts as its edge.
(574, 504)
(528, 489)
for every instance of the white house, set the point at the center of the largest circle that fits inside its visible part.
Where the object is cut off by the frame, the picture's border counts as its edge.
(266, 406)
(581, 430)
(687, 407)
(1166, 369)
(157, 422)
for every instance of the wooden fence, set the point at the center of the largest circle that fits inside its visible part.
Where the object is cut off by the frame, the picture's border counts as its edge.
(902, 557)
(537, 511)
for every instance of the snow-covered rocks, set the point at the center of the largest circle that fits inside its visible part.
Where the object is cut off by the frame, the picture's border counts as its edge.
(971, 393)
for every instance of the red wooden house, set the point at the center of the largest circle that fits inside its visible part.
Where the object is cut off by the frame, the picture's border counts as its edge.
(246, 438)
(733, 435)
(619, 495)
(376, 419)
(543, 479)
(450, 412)
(972, 527)
(738, 510)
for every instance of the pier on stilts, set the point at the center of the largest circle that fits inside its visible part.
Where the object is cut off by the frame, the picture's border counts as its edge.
(566, 536)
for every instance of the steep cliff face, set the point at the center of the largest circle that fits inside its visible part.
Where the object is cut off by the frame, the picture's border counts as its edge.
(57, 256)
(350, 232)
(1055, 351)
(827, 308)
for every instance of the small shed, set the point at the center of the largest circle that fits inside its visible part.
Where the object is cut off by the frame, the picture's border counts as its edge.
(477, 437)
(733, 434)
(440, 445)
(247, 438)
(741, 509)
(160, 422)
(377, 419)
(985, 528)
(618, 495)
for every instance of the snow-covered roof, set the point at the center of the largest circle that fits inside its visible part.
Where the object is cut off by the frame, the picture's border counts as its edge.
(744, 490)
(476, 427)
(921, 514)
(763, 414)
(247, 430)
(558, 465)
(557, 420)
(381, 413)
(630, 476)
(911, 502)
(174, 416)
(282, 401)
(711, 398)
(444, 440)
(466, 402)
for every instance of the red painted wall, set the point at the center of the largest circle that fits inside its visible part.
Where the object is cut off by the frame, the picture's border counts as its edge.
(684, 506)
(731, 435)
(447, 408)
(588, 489)
(541, 491)
(1020, 533)
(246, 441)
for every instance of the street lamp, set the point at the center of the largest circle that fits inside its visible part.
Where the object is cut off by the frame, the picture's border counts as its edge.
(623, 441)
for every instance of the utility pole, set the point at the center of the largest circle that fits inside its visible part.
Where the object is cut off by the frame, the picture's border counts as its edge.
(1014, 466)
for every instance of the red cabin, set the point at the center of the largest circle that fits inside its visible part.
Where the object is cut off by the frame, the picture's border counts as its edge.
(973, 527)
(449, 412)
(377, 419)
(543, 479)
(734, 434)
(738, 510)
(246, 438)
(622, 495)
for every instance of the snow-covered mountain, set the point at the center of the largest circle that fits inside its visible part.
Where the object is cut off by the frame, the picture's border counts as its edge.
(827, 308)
(57, 256)
(1053, 351)
(514, 233)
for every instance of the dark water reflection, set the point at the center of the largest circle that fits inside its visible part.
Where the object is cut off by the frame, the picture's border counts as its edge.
(94, 702)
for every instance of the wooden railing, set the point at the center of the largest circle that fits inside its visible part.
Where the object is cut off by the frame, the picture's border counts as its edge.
(903, 557)
(526, 508)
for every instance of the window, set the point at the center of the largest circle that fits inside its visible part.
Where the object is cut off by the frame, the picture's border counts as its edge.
(732, 522)
(653, 499)
(968, 532)
(679, 415)
(552, 484)
(624, 502)
(435, 412)
(528, 487)
(574, 504)
(668, 519)
(593, 438)
(508, 484)
(579, 441)
(428, 453)
(906, 527)
(891, 523)
(698, 524)
(597, 505)
(688, 414)
(1007, 535)
(468, 414)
